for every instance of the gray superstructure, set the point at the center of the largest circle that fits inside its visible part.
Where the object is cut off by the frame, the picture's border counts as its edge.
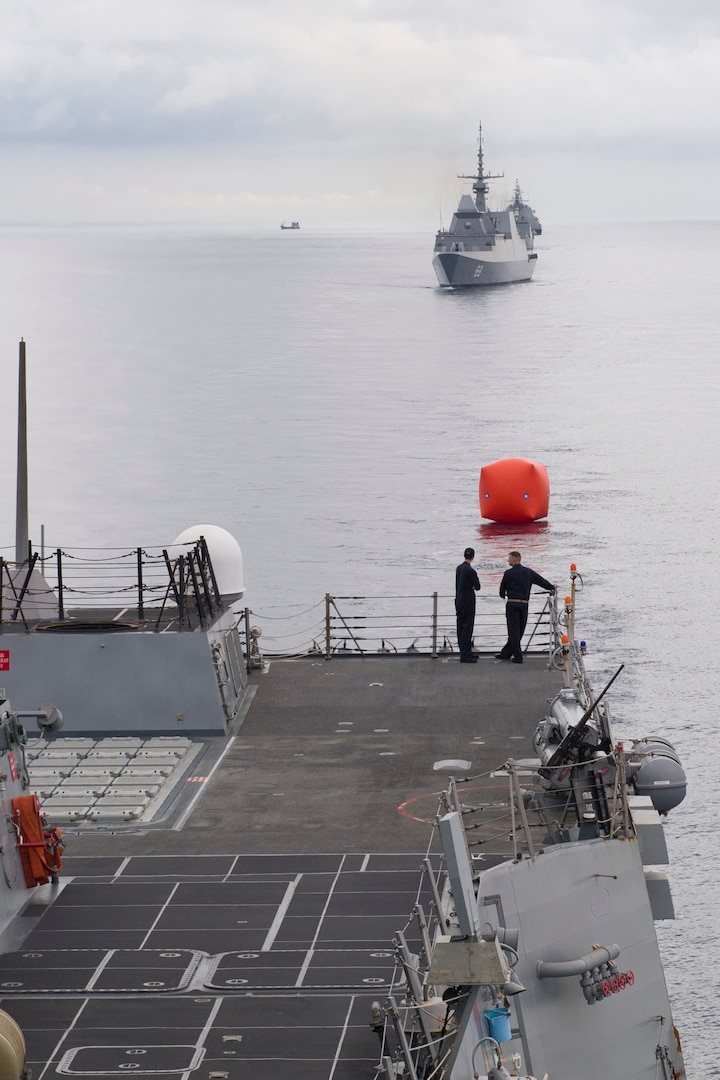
(483, 246)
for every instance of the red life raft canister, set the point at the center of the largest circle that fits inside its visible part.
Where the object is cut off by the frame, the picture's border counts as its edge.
(40, 846)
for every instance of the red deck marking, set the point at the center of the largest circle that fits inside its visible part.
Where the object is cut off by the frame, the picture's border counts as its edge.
(403, 808)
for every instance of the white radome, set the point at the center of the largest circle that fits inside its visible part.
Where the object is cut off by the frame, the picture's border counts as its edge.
(225, 555)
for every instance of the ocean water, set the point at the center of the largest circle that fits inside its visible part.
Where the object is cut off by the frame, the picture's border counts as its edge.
(316, 394)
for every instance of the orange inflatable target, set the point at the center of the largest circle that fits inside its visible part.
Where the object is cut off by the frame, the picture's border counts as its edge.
(514, 490)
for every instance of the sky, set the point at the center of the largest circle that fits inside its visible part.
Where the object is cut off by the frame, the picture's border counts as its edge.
(230, 112)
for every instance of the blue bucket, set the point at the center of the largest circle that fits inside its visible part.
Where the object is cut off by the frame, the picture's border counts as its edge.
(498, 1022)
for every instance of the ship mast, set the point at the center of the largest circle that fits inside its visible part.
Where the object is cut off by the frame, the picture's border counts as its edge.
(21, 505)
(480, 180)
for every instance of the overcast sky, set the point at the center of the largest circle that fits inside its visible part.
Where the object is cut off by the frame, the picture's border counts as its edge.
(230, 111)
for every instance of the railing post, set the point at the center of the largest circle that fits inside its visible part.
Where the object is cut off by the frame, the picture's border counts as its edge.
(208, 566)
(517, 800)
(2, 583)
(434, 626)
(140, 606)
(248, 647)
(328, 599)
(61, 600)
(181, 592)
(193, 565)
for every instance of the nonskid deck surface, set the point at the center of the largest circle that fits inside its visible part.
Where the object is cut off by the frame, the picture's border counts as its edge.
(144, 965)
(250, 931)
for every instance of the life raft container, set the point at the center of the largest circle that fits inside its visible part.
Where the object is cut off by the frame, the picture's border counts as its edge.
(40, 846)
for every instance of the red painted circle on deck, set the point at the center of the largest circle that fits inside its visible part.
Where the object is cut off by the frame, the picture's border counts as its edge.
(405, 807)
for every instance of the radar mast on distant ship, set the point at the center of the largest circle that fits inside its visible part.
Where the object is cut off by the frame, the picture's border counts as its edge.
(480, 180)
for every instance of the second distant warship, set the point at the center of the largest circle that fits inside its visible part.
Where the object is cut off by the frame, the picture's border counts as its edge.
(486, 247)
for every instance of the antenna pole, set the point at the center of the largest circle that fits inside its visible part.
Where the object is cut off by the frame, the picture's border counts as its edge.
(480, 185)
(22, 538)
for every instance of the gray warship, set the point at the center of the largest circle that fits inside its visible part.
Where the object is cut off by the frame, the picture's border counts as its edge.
(216, 860)
(483, 246)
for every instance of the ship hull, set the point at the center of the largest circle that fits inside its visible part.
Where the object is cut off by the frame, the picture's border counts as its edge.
(454, 269)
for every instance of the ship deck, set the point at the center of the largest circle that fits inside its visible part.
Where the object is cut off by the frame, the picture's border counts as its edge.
(245, 929)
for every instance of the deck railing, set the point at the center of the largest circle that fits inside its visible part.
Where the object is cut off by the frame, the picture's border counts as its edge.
(168, 586)
(397, 625)
(162, 589)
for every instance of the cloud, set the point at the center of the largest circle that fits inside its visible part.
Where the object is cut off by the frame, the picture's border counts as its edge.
(361, 97)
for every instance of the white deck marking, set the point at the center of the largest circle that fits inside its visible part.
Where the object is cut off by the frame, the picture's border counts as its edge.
(311, 950)
(50, 1066)
(159, 915)
(203, 1036)
(341, 1038)
(122, 867)
(100, 968)
(202, 788)
(280, 914)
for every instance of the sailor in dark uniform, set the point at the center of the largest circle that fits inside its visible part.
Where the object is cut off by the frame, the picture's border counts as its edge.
(515, 588)
(467, 583)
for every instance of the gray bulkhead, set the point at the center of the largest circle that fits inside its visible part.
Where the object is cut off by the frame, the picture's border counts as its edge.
(132, 681)
(567, 901)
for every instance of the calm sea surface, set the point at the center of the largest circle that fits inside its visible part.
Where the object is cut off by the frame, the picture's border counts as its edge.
(315, 394)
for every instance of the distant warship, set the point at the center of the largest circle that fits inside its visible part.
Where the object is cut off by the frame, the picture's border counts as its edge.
(486, 247)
